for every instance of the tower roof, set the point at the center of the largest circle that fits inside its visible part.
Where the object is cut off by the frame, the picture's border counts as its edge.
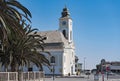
(65, 12)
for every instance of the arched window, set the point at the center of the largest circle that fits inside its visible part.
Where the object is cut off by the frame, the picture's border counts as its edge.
(64, 33)
(52, 59)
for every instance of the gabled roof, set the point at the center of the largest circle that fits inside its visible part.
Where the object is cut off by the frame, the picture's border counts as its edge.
(53, 36)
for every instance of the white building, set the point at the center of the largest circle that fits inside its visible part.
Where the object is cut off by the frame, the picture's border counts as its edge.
(61, 46)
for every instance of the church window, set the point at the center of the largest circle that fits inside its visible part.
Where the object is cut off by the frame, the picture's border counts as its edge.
(52, 59)
(64, 33)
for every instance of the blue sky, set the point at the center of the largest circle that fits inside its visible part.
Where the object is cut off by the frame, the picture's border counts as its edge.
(96, 25)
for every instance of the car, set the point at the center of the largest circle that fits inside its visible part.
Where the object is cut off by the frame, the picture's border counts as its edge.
(87, 73)
(111, 73)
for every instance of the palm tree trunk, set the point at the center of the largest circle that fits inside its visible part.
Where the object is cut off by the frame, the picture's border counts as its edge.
(20, 76)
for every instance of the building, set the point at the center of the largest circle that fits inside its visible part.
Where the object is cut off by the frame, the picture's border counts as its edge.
(107, 66)
(61, 46)
(113, 66)
(78, 66)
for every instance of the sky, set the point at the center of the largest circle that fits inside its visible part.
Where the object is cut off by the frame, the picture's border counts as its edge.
(96, 26)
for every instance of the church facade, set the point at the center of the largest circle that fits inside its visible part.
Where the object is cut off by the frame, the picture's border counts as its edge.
(61, 47)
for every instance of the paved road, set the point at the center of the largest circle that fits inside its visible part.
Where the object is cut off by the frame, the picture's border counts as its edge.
(91, 78)
(67, 79)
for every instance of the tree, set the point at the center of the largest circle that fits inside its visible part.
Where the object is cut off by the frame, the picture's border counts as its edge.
(19, 45)
(22, 50)
(11, 15)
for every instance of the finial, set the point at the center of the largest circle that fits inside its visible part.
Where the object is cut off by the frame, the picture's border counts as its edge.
(65, 6)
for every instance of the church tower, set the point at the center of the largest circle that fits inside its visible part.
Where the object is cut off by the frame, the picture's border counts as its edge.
(65, 25)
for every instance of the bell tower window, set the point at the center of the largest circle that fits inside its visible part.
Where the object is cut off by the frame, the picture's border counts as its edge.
(64, 33)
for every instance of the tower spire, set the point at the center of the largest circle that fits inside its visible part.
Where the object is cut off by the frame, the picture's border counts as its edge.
(65, 12)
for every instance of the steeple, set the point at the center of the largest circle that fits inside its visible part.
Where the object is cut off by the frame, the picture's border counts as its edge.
(65, 24)
(65, 12)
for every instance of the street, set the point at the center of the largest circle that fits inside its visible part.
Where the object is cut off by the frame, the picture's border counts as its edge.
(91, 78)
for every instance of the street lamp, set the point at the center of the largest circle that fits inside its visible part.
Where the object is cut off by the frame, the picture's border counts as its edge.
(84, 64)
(53, 65)
(102, 63)
(53, 70)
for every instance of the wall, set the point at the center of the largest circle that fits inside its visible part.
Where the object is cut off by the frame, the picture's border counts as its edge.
(58, 63)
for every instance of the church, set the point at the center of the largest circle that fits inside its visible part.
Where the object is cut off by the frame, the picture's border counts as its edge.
(61, 47)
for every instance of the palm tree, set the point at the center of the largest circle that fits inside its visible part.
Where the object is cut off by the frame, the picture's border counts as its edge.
(23, 49)
(11, 15)
(19, 46)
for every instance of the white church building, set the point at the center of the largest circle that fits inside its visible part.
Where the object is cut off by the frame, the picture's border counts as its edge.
(61, 47)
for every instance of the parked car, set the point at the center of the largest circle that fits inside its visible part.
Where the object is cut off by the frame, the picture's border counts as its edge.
(111, 73)
(87, 73)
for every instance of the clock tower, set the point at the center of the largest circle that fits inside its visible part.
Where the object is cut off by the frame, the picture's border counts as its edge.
(65, 24)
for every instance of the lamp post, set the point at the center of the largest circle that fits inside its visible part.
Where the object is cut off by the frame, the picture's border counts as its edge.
(84, 64)
(102, 72)
(53, 65)
(53, 70)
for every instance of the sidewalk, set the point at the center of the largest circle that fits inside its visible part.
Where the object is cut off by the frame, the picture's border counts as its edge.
(109, 79)
(79, 78)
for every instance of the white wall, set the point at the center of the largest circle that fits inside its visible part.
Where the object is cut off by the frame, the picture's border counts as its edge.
(68, 61)
(58, 63)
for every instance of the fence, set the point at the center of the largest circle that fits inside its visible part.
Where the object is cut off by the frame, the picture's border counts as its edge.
(25, 76)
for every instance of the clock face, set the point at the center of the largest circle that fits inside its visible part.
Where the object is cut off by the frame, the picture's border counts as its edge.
(64, 23)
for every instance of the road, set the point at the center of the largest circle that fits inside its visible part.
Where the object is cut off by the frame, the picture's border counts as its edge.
(91, 78)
